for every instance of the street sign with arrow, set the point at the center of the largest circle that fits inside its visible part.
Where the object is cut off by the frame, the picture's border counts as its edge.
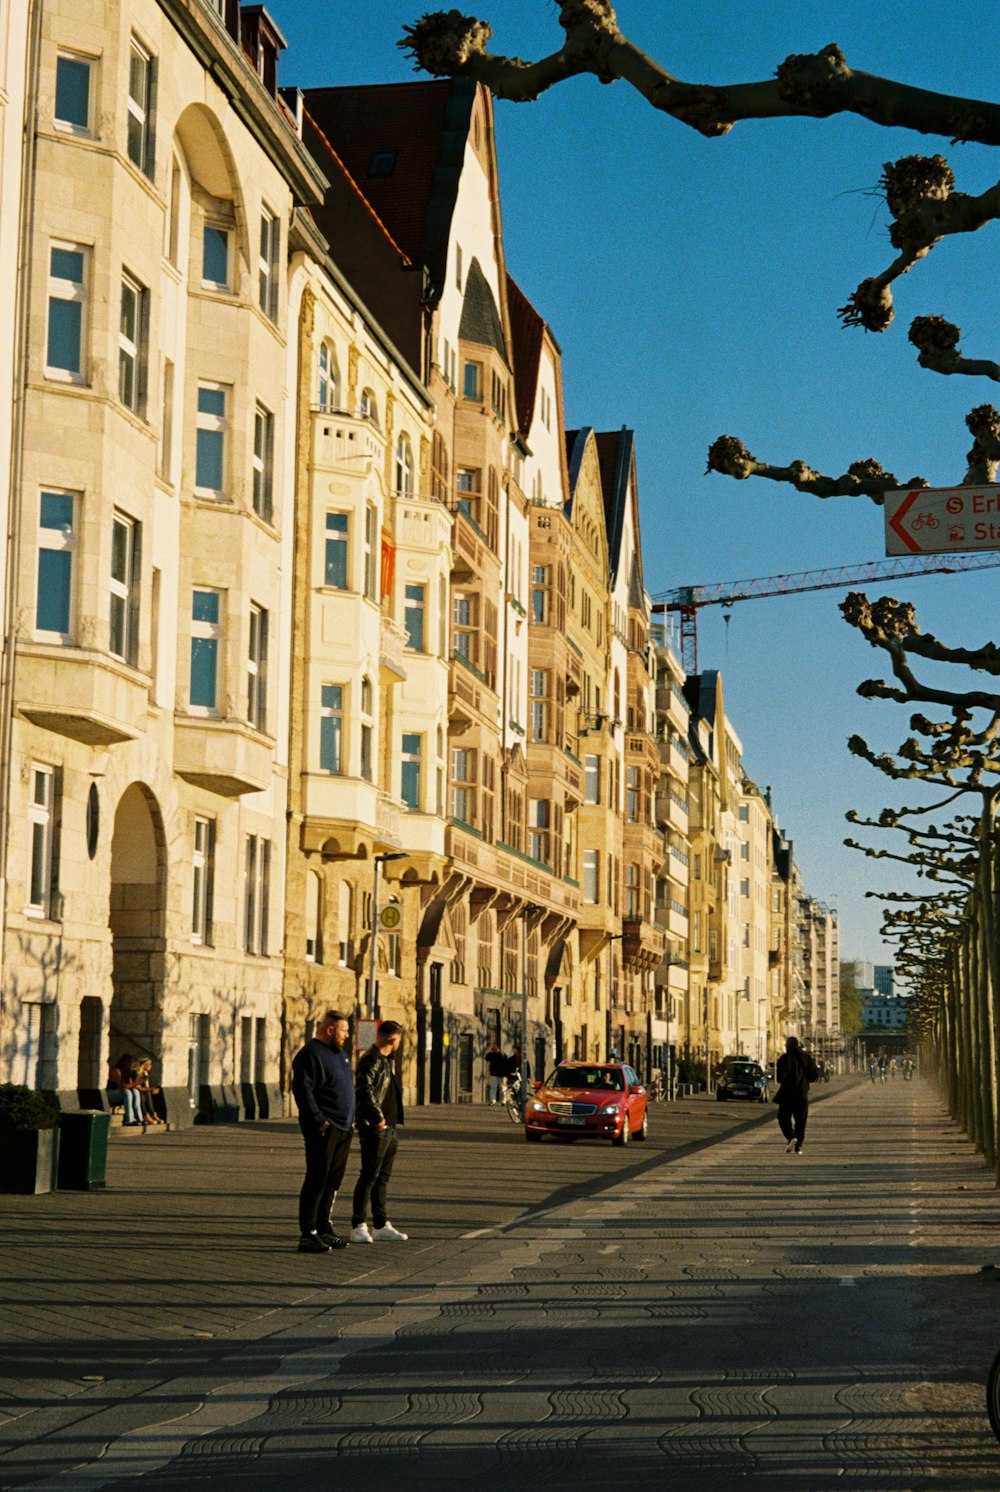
(942, 520)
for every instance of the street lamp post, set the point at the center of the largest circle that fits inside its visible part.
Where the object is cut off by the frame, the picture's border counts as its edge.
(379, 860)
(530, 909)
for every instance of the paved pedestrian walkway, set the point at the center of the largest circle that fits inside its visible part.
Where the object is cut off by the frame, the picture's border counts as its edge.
(678, 1317)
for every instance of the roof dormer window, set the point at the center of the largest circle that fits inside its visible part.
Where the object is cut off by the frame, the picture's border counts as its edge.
(382, 163)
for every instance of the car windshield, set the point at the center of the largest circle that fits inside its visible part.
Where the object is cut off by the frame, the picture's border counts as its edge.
(743, 1071)
(587, 1077)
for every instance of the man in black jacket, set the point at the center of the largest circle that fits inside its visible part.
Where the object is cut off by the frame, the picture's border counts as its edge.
(795, 1071)
(379, 1112)
(324, 1095)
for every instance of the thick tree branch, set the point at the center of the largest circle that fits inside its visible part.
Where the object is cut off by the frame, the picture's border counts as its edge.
(937, 341)
(730, 456)
(446, 43)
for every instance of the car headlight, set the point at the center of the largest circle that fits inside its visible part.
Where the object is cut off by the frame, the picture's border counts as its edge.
(536, 1107)
(610, 1108)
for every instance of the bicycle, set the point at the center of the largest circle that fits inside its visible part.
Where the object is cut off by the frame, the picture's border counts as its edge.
(510, 1097)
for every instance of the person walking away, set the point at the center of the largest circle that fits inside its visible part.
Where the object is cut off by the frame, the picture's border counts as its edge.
(795, 1071)
(496, 1066)
(380, 1113)
(873, 1068)
(324, 1096)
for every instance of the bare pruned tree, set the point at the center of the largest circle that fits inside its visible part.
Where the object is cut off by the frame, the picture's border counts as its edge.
(919, 191)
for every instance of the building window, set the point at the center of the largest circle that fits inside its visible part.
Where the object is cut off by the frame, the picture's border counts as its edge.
(215, 257)
(73, 93)
(632, 908)
(43, 821)
(124, 621)
(367, 729)
(539, 704)
(368, 408)
(469, 483)
(256, 908)
(463, 785)
(498, 396)
(591, 876)
(257, 668)
(382, 163)
(56, 558)
(464, 628)
(592, 779)
(541, 585)
(328, 379)
(267, 264)
(263, 463)
(472, 382)
(414, 614)
(314, 918)
(133, 340)
(538, 830)
(404, 467)
(210, 441)
(337, 540)
(206, 638)
(410, 792)
(67, 295)
(439, 468)
(331, 728)
(203, 885)
(371, 533)
(140, 109)
(345, 920)
(458, 265)
(632, 794)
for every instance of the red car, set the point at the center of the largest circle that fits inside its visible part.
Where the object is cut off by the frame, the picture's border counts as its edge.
(588, 1100)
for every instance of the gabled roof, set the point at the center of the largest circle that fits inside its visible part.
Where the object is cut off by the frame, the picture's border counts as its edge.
(700, 691)
(615, 450)
(418, 131)
(526, 331)
(576, 444)
(480, 321)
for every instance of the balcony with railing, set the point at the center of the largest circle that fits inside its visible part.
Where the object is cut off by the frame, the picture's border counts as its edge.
(351, 445)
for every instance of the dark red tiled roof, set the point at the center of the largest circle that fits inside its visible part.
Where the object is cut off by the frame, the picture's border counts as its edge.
(407, 118)
(526, 329)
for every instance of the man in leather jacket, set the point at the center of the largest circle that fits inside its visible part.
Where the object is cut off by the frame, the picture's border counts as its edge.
(379, 1112)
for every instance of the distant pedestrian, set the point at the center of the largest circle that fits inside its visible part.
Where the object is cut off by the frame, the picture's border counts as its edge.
(496, 1066)
(796, 1070)
(380, 1113)
(873, 1068)
(324, 1095)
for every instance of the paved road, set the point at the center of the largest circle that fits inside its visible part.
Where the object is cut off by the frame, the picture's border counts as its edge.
(702, 1312)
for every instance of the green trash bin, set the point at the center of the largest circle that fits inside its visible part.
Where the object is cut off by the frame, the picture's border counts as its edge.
(83, 1149)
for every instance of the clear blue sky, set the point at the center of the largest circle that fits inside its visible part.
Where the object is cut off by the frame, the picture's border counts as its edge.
(693, 287)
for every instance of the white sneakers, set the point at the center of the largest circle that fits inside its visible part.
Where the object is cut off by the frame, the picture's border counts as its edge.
(388, 1234)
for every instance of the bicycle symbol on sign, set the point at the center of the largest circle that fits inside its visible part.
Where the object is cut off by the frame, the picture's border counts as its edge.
(925, 520)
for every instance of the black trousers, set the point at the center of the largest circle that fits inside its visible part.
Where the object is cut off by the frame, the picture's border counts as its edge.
(792, 1118)
(378, 1151)
(326, 1162)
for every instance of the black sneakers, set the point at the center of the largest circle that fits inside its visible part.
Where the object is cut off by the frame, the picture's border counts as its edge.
(334, 1240)
(312, 1243)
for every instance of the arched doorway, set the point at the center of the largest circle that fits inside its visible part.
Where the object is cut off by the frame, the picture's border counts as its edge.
(138, 880)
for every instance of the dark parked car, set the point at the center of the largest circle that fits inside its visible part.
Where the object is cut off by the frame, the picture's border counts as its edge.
(741, 1079)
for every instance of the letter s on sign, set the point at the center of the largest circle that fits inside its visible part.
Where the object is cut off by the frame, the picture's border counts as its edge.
(954, 505)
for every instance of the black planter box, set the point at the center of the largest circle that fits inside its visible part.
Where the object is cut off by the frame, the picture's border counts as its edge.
(29, 1160)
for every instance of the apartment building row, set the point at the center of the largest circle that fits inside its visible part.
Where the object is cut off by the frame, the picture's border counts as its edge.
(329, 673)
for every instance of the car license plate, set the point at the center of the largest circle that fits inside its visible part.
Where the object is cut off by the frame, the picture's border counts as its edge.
(563, 1119)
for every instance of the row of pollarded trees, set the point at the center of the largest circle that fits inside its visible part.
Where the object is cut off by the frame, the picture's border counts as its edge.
(948, 949)
(947, 938)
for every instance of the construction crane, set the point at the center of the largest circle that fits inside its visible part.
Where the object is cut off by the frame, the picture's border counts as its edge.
(689, 599)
